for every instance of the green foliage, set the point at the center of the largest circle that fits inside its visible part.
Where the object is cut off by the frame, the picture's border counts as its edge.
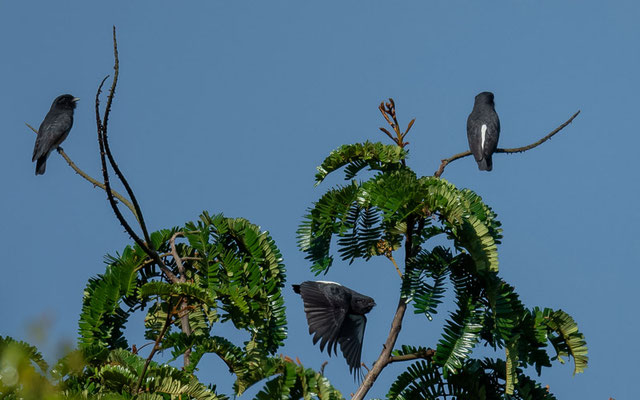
(22, 372)
(376, 156)
(225, 269)
(396, 208)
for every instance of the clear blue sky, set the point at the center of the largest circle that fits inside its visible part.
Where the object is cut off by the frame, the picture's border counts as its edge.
(229, 107)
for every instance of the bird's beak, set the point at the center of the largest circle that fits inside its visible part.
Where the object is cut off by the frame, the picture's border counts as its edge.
(75, 99)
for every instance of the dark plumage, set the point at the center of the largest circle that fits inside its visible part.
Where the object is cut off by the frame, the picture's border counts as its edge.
(483, 130)
(53, 130)
(336, 314)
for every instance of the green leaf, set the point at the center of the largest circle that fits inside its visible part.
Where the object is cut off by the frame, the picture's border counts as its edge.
(376, 156)
(569, 341)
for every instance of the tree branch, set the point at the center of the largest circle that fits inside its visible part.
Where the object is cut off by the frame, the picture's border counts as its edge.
(155, 348)
(425, 355)
(184, 306)
(105, 151)
(116, 169)
(383, 359)
(93, 181)
(396, 325)
(449, 160)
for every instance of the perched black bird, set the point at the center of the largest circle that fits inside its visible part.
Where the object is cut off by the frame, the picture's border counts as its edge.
(483, 130)
(53, 130)
(335, 314)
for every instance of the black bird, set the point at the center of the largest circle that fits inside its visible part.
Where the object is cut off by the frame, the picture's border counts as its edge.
(483, 130)
(335, 314)
(53, 130)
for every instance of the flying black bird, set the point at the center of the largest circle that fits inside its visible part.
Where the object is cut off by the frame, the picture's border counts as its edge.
(53, 130)
(483, 130)
(335, 314)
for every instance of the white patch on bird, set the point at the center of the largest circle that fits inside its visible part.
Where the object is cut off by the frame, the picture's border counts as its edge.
(483, 133)
(334, 283)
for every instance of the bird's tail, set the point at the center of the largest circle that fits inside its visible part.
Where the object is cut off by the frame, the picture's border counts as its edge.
(486, 164)
(41, 165)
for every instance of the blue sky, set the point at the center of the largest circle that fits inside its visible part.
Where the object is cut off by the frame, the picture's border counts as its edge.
(230, 106)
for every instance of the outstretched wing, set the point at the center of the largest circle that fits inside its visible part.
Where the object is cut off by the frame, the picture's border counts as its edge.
(351, 338)
(326, 306)
(52, 132)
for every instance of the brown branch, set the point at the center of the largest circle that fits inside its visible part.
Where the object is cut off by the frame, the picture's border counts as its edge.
(155, 348)
(395, 264)
(91, 180)
(449, 160)
(383, 359)
(425, 355)
(324, 364)
(388, 111)
(396, 324)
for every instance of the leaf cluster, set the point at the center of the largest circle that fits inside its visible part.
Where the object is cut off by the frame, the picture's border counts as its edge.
(229, 270)
(396, 208)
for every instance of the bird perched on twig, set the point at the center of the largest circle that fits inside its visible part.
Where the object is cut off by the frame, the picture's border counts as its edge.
(53, 130)
(483, 130)
(336, 314)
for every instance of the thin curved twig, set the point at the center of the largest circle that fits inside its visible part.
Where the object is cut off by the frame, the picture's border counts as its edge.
(105, 121)
(91, 180)
(104, 149)
(449, 160)
(425, 355)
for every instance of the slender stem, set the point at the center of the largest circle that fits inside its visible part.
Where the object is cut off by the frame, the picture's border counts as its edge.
(383, 359)
(86, 176)
(425, 355)
(112, 162)
(155, 348)
(458, 156)
(104, 150)
(395, 264)
(396, 326)
(184, 306)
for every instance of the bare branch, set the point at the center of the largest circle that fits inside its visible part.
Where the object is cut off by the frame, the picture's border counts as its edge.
(449, 160)
(425, 355)
(104, 151)
(112, 162)
(93, 181)
(383, 359)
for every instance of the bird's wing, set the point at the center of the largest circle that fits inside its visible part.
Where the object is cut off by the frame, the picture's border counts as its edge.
(474, 135)
(325, 311)
(53, 130)
(492, 135)
(351, 338)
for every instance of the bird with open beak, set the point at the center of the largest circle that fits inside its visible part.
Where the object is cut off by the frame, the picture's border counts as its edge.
(53, 130)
